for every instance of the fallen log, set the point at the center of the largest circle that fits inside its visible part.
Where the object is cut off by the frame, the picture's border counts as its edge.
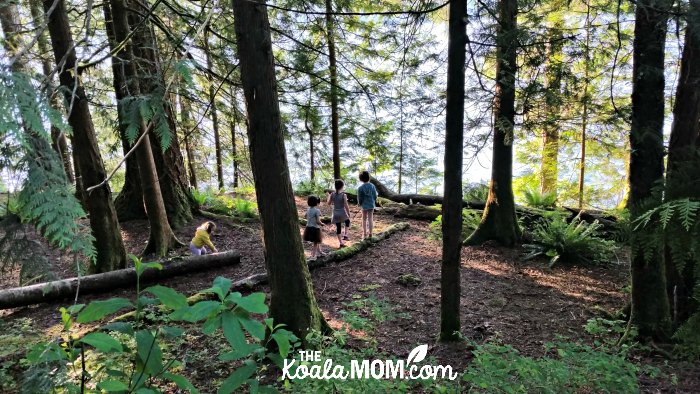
(527, 214)
(51, 291)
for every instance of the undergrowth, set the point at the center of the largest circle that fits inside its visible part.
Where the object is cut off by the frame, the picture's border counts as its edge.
(577, 242)
(470, 221)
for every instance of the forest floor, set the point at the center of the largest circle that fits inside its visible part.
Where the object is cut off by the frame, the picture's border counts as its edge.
(523, 304)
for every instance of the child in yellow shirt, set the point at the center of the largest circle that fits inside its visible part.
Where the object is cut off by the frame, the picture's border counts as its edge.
(201, 243)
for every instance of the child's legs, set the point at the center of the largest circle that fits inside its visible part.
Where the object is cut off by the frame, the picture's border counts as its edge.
(364, 223)
(370, 221)
(338, 227)
(195, 250)
(347, 225)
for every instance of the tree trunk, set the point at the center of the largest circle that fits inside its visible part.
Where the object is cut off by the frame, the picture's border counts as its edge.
(335, 127)
(170, 165)
(129, 201)
(161, 237)
(292, 300)
(585, 101)
(90, 284)
(650, 307)
(499, 221)
(234, 152)
(452, 206)
(59, 142)
(103, 217)
(214, 115)
(310, 132)
(187, 137)
(550, 143)
(682, 177)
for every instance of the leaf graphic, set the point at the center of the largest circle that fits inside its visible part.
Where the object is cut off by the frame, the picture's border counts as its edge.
(418, 354)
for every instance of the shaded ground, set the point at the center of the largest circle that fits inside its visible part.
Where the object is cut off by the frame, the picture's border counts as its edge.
(524, 304)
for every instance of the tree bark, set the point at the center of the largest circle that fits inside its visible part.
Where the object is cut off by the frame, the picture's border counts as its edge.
(550, 143)
(161, 238)
(310, 132)
(52, 291)
(214, 115)
(335, 127)
(650, 306)
(586, 100)
(129, 201)
(292, 300)
(170, 165)
(187, 137)
(682, 175)
(452, 206)
(59, 142)
(111, 254)
(234, 149)
(499, 222)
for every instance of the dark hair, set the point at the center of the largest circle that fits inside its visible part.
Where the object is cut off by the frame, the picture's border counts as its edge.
(210, 227)
(339, 184)
(313, 201)
(364, 176)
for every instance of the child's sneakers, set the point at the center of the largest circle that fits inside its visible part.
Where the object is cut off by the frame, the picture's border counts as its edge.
(346, 238)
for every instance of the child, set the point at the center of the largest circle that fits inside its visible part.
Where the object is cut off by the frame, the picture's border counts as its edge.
(366, 198)
(312, 232)
(341, 211)
(201, 240)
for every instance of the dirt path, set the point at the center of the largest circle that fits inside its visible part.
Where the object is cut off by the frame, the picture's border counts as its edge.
(524, 304)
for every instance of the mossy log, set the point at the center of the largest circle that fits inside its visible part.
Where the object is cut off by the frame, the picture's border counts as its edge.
(420, 207)
(51, 291)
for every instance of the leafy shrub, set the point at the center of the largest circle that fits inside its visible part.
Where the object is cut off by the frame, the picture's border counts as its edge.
(239, 208)
(137, 357)
(475, 192)
(470, 221)
(200, 197)
(674, 226)
(243, 208)
(575, 242)
(308, 188)
(576, 368)
(534, 198)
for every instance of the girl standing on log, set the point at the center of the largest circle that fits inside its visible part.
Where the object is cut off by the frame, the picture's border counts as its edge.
(312, 231)
(341, 211)
(367, 198)
(201, 240)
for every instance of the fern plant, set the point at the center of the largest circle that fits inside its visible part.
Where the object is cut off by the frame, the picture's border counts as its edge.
(575, 242)
(470, 221)
(46, 200)
(674, 226)
(536, 199)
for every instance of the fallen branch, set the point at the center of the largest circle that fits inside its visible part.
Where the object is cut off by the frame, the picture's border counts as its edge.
(51, 291)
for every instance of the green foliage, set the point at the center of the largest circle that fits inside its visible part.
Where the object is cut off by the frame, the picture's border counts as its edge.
(475, 192)
(240, 208)
(575, 242)
(534, 198)
(308, 188)
(470, 221)
(46, 200)
(139, 111)
(132, 357)
(674, 226)
(568, 368)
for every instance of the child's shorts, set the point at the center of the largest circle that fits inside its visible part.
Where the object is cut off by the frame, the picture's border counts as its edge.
(312, 234)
